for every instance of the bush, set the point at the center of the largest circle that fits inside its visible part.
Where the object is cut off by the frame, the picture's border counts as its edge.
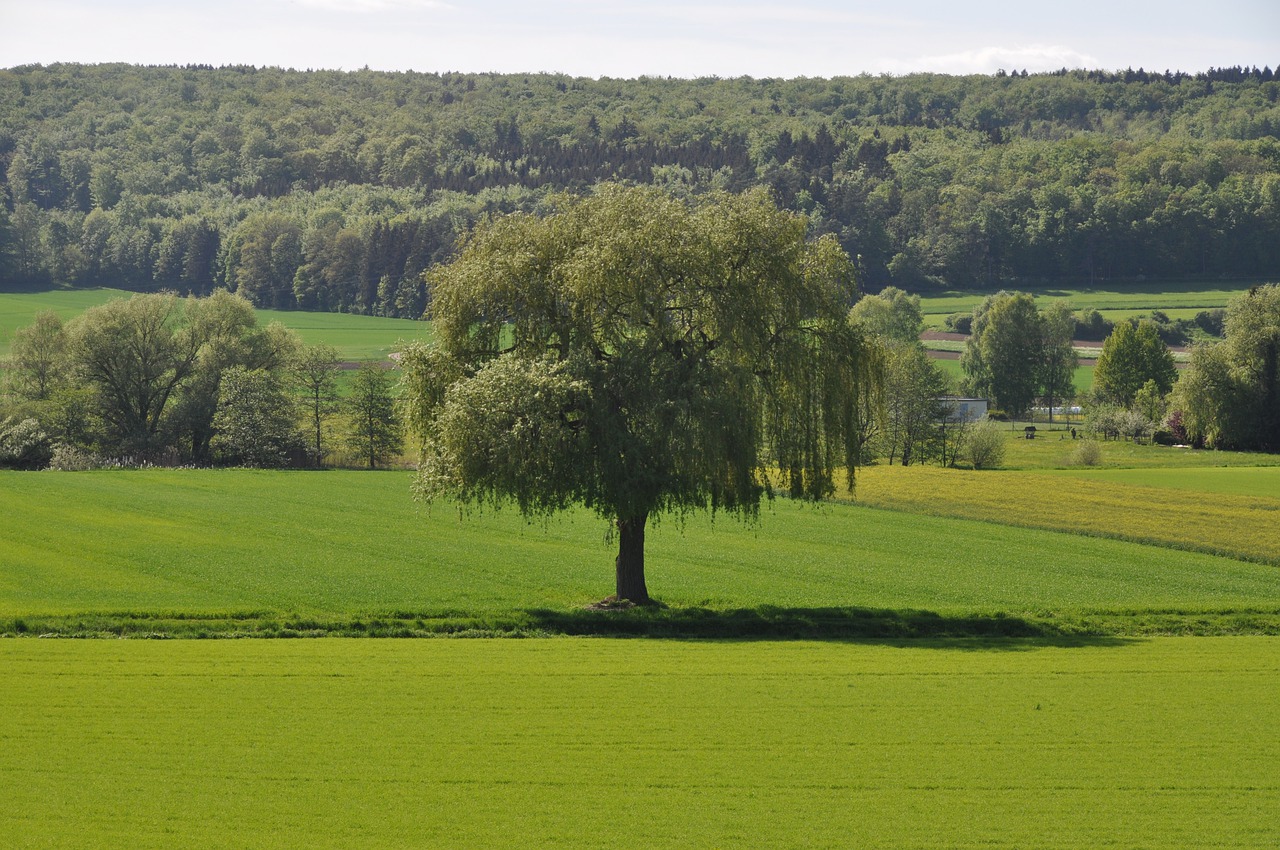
(959, 323)
(24, 444)
(1211, 322)
(983, 444)
(1087, 453)
(1092, 326)
(68, 458)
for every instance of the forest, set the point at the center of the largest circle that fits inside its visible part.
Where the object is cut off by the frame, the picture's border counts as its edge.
(329, 190)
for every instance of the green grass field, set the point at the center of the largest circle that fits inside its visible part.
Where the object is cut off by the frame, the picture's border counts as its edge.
(586, 743)
(1180, 299)
(355, 337)
(184, 550)
(1082, 378)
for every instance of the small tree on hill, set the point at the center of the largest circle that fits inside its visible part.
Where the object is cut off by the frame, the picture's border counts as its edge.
(315, 372)
(374, 431)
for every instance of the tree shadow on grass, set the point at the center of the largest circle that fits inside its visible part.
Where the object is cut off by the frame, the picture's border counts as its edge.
(924, 628)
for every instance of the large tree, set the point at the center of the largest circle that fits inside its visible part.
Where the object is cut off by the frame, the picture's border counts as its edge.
(637, 355)
(1132, 355)
(135, 353)
(1058, 355)
(1230, 394)
(1003, 359)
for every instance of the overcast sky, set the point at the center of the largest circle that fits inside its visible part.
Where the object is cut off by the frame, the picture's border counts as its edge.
(627, 38)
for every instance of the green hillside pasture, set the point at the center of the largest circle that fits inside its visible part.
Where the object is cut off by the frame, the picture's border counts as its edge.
(355, 337)
(180, 551)
(1186, 297)
(585, 743)
(19, 309)
(1232, 524)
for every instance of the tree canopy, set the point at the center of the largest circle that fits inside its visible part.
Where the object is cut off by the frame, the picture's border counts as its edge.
(639, 355)
(1133, 354)
(1229, 396)
(334, 190)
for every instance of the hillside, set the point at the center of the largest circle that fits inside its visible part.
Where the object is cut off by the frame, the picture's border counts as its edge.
(333, 190)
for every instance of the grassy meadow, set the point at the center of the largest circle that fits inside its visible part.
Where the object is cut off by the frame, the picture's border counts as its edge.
(355, 337)
(1179, 299)
(586, 743)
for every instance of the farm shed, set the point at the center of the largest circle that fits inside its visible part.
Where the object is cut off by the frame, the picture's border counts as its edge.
(961, 410)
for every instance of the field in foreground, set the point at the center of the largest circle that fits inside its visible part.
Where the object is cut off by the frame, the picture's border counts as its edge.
(586, 743)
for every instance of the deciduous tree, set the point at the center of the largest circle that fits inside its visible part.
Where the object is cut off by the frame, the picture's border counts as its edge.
(639, 356)
(1003, 359)
(374, 431)
(1132, 355)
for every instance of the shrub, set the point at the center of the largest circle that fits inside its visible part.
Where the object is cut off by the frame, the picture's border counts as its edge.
(959, 323)
(1211, 321)
(1092, 326)
(1087, 453)
(67, 458)
(984, 444)
(24, 444)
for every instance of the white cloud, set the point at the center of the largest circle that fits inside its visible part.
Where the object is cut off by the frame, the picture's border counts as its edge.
(366, 6)
(1032, 57)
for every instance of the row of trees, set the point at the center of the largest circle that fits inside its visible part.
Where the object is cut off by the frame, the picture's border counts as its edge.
(333, 191)
(186, 380)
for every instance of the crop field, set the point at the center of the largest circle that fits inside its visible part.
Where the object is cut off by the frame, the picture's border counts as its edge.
(1238, 525)
(585, 743)
(355, 337)
(1181, 299)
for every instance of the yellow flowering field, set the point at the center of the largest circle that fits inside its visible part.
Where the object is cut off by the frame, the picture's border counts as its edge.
(1234, 524)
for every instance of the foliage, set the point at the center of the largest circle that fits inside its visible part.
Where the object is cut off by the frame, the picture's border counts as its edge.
(1151, 402)
(639, 356)
(24, 444)
(1132, 355)
(982, 444)
(1003, 358)
(36, 364)
(256, 423)
(134, 353)
(915, 414)
(141, 376)
(891, 315)
(334, 191)
(314, 370)
(1059, 361)
(374, 430)
(1230, 394)
(1087, 453)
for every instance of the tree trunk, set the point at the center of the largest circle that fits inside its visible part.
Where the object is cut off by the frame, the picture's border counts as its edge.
(630, 562)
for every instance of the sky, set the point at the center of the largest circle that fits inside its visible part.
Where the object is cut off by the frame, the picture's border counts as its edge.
(627, 38)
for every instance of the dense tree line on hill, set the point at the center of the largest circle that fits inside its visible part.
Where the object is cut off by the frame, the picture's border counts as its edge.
(335, 190)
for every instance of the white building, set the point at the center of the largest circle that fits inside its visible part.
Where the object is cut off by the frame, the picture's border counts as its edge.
(964, 410)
